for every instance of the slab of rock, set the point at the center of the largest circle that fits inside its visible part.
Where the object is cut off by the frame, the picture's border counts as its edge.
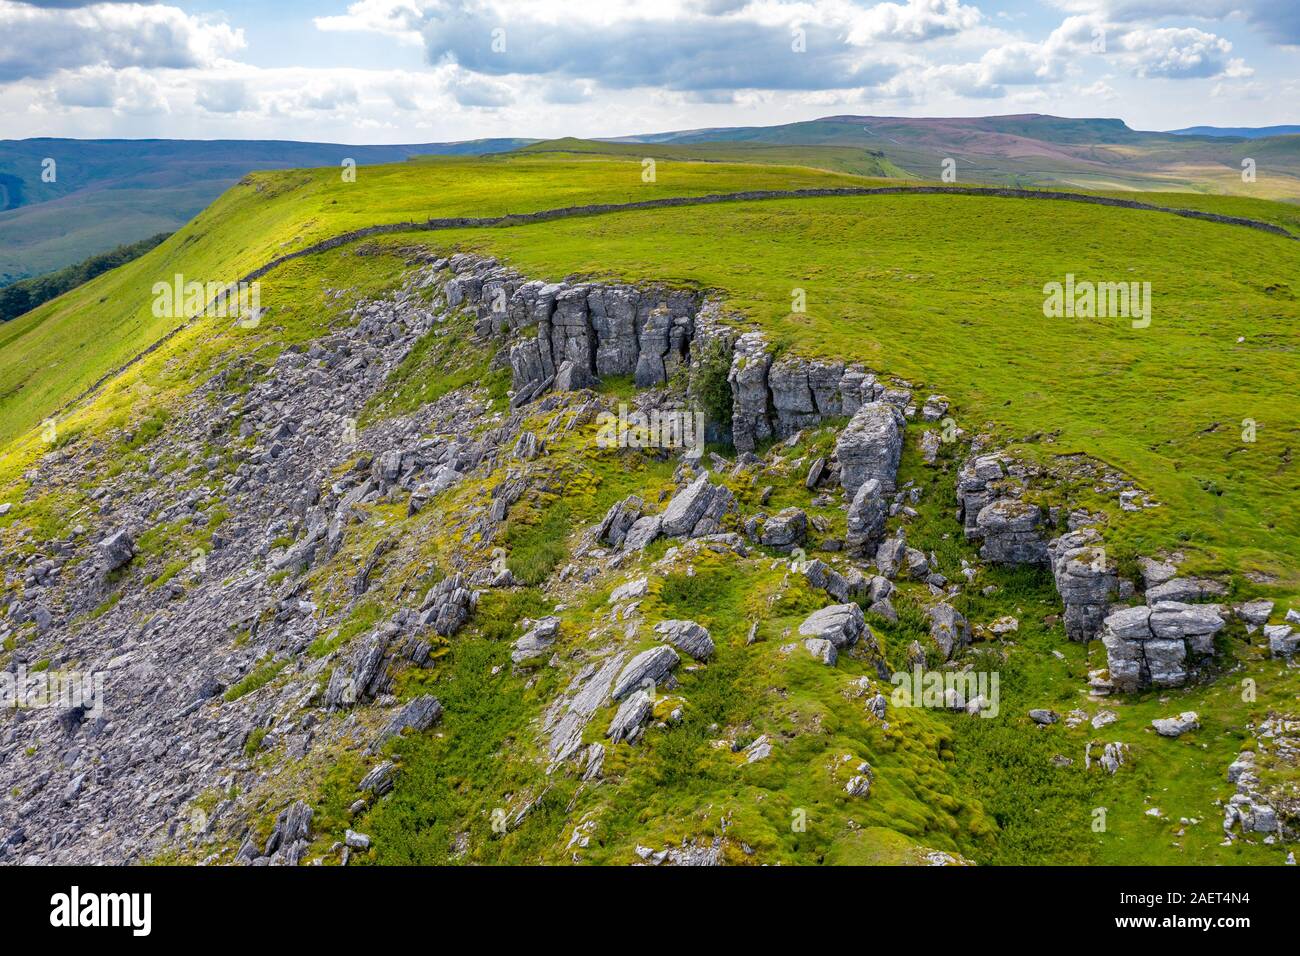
(537, 640)
(948, 629)
(647, 668)
(688, 637)
(618, 521)
(785, 529)
(418, 715)
(697, 509)
(643, 531)
(1177, 726)
(867, 513)
(870, 446)
(841, 624)
(630, 590)
(631, 717)
(1044, 717)
(116, 550)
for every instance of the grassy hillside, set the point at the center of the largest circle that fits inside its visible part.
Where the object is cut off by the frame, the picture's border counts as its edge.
(839, 159)
(50, 355)
(945, 291)
(106, 192)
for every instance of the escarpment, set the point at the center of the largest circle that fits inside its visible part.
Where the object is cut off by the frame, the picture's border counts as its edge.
(612, 596)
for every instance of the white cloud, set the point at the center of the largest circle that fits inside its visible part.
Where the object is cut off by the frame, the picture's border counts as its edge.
(1176, 53)
(39, 41)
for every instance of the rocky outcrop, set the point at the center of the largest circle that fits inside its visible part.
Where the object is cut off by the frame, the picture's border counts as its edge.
(751, 422)
(1084, 579)
(1157, 646)
(697, 510)
(536, 641)
(688, 637)
(870, 446)
(866, 519)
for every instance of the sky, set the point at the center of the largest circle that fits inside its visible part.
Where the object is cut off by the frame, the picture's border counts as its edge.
(416, 71)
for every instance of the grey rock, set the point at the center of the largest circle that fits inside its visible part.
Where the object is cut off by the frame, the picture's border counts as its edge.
(630, 717)
(1177, 726)
(866, 519)
(116, 550)
(785, 529)
(688, 637)
(841, 624)
(870, 446)
(536, 641)
(949, 630)
(649, 667)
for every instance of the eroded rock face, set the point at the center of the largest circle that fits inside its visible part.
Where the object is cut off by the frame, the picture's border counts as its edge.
(696, 510)
(1156, 646)
(870, 446)
(867, 514)
(1010, 531)
(750, 421)
(949, 630)
(1085, 581)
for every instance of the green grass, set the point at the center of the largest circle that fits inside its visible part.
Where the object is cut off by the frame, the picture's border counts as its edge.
(258, 677)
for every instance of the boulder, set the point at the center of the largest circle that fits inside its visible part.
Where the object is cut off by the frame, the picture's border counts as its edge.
(841, 624)
(870, 446)
(867, 513)
(1177, 726)
(1009, 529)
(631, 717)
(688, 637)
(948, 629)
(116, 550)
(537, 640)
(785, 529)
(697, 509)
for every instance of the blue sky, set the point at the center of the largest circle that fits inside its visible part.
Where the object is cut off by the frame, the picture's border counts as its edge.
(429, 70)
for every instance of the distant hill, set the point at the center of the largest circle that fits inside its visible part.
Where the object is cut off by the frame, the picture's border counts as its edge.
(1035, 150)
(107, 192)
(1244, 132)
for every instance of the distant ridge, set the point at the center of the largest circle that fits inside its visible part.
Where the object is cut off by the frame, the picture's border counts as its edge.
(1243, 132)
